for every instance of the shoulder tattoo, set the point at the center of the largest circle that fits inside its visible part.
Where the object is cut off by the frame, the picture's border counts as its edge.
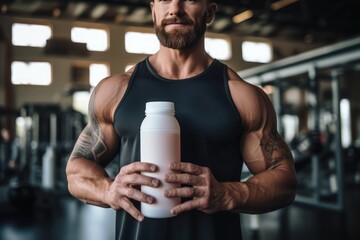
(275, 149)
(90, 144)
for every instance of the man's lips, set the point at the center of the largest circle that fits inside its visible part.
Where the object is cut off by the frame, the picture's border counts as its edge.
(176, 22)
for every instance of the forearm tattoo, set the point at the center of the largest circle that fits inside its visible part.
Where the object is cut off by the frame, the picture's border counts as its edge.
(275, 149)
(90, 144)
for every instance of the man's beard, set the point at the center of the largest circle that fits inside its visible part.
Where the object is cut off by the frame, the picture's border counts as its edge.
(180, 39)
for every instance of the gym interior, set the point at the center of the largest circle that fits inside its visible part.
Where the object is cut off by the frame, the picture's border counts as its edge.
(304, 54)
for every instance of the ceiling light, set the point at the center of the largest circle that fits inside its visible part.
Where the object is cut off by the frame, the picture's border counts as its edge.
(98, 11)
(4, 8)
(282, 3)
(79, 9)
(56, 12)
(241, 17)
(221, 24)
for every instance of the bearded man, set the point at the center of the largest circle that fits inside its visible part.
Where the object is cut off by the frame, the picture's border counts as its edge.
(224, 122)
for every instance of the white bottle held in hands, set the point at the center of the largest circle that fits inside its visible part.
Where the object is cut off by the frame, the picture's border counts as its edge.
(160, 145)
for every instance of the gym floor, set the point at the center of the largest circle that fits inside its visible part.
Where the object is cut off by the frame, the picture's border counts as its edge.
(60, 217)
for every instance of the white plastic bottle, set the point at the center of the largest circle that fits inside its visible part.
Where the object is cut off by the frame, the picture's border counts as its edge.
(160, 145)
(48, 168)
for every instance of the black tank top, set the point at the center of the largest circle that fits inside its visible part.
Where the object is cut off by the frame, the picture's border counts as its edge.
(210, 136)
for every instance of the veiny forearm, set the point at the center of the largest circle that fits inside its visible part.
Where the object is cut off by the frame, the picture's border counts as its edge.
(87, 181)
(264, 192)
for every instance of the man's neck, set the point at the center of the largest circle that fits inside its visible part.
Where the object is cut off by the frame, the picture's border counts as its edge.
(180, 64)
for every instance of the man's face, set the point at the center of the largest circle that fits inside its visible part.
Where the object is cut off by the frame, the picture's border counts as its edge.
(179, 24)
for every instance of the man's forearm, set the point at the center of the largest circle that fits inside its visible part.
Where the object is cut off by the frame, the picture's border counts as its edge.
(267, 191)
(87, 181)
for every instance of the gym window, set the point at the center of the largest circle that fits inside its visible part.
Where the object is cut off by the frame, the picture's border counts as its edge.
(260, 52)
(141, 43)
(31, 73)
(80, 101)
(97, 72)
(30, 35)
(218, 48)
(95, 39)
(93, 73)
(148, 43)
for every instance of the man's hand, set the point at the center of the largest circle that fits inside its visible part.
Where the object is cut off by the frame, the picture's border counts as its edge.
(198, 183)
(126, 186)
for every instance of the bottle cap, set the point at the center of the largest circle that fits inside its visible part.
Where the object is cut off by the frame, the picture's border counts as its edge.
(160, 107)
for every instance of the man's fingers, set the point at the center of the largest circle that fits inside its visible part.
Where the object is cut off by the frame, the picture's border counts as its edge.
(131, 209)
(184, 178)
(186, 206)
(137, 195)
(185, 192)
(186, 167)
(138, 167)
(137, 180)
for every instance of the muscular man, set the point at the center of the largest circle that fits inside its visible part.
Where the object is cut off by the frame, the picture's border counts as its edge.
(224, 121)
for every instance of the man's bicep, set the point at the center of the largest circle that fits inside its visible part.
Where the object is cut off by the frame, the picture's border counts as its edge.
(262, 147)
(265, 150)
(252, 153)
(275, 149)
(96, 144)
(98, 141)
(83, 146)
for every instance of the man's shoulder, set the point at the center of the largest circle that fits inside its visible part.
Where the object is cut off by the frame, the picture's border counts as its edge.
(119, 78)
(251, 101)
(109, 92)
(241, 88)
(115, 82)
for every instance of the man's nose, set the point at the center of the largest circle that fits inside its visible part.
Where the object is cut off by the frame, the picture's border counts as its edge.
(176, 8)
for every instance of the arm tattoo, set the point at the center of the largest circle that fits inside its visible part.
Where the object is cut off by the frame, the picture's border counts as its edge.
(90, 144)
(275, 149)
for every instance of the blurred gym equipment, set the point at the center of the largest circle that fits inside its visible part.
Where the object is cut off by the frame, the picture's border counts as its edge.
(46, 134)
(311, 122)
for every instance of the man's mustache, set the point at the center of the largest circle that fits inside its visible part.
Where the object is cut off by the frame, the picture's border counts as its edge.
(177, 21)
